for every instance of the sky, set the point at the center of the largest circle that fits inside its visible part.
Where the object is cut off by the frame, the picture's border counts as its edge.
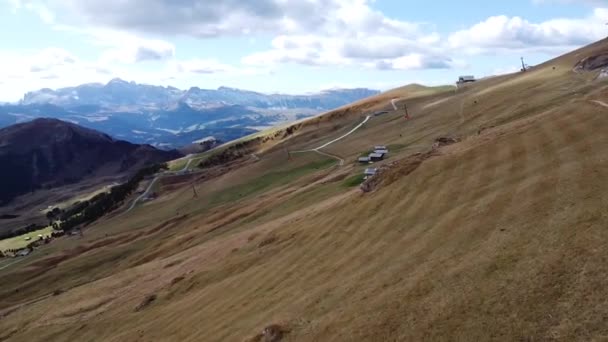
(282, 46)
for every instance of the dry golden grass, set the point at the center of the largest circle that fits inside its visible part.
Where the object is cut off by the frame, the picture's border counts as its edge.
(501, 236)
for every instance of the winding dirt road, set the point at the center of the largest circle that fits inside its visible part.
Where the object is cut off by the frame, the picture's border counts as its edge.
(601, 103)
(12, 263)
(340, 160)
(394, 104)
(156, 178)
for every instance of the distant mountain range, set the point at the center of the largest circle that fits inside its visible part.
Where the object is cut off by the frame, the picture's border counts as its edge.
(169, 117)
(46, 153)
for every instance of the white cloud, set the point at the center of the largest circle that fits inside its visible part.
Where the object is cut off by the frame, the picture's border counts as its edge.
(355, 34)
(313, 32)
(501, 33)
(316, 33)
(40, 63)
(46, 68)
(300, 49)
(131, 49)
(38, 7)
(371, 50)
(578, 2)
(196, 18)
(506, 70)
(418, 61)
(51, 58)
(361, 36)
(202, 66)
(199, 66)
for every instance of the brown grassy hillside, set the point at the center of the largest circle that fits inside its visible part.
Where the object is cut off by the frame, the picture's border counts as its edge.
(501, 236)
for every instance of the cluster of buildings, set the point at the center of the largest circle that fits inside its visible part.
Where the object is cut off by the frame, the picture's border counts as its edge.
(377, 155)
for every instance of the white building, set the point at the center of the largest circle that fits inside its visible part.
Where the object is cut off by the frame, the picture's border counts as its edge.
(466, 79)
(370, 172)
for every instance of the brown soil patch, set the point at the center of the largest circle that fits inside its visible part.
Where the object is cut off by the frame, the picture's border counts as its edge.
(173, 263)
(86, 308)
(177, 280)
(146, 302)
(270, 239)
(593, 62)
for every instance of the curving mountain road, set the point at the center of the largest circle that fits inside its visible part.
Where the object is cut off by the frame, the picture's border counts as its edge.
(316, 150)
(12, 263)
(187, 164)
(394, 104)
(601, 103)
(340, 160)
(345, 135)
(156, 178)
(142, 196)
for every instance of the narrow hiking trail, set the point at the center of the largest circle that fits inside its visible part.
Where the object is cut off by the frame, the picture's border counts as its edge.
(12, 263)
(601, 103)
(142, 196)
(394, 104)
(156, 179)
(256, 158)
(345, 135)
(187, 164)
(340, 160)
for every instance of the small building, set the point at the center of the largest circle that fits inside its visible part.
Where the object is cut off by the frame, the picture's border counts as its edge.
(381, 151)
(466, 79)
(376, 157)
(364, 160)
(23, 252)
(369, 172)
(380, 147)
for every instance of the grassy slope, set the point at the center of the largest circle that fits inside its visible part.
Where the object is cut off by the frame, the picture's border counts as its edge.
(501, 236)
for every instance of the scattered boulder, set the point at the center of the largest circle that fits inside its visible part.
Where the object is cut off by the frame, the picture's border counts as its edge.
(444, 141)
(272, 333)
(370, 184)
